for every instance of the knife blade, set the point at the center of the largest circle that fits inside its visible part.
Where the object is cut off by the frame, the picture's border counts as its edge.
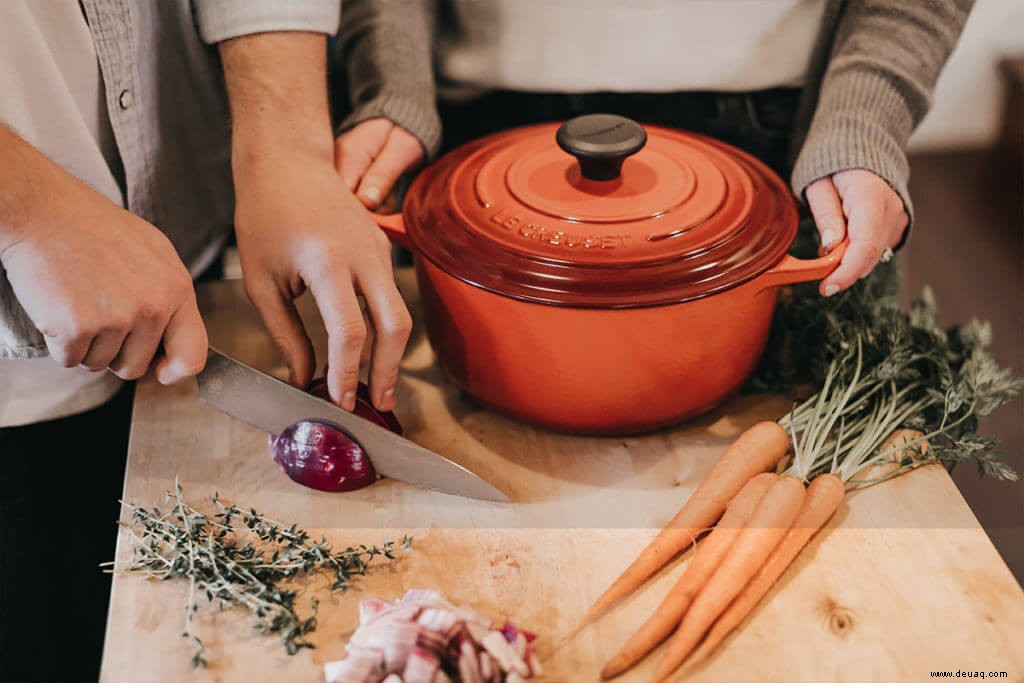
(266, 402)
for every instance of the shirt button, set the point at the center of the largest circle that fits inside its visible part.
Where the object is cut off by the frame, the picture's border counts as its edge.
(125, 99)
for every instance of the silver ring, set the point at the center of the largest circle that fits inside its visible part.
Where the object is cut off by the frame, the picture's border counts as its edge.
(886, 255)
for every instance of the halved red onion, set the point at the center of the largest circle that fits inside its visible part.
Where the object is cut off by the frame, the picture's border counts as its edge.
(321, 455)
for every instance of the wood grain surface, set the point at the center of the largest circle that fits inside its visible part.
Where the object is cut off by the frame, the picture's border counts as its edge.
(902, 583)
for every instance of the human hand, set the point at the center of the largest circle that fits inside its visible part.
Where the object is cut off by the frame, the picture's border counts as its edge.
(371, 156)
(103, 286)
(297, 228)
(859, 203)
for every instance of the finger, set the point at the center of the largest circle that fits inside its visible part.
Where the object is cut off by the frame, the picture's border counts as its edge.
(861, 188)
(355, 150)
(392, 325)
(384, 248)
(400, 153)
(339, 307)
(899, 223)
(827, 209)
(68, 349)
(282, 320)
(138, 350)
(185, 345)
(104, 348)
(390, 204)
(867, 240)
(366, 353)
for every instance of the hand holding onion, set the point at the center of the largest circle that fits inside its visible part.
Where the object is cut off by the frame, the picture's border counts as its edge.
(322, 456)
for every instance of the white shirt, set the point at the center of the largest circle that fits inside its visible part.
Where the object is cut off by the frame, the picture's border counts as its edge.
(629, 45)
(135, 94)
(53, 97)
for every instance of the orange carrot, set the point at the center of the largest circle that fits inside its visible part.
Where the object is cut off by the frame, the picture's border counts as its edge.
(753, 545)
(708, 556)
(820, 502)
(756, 450)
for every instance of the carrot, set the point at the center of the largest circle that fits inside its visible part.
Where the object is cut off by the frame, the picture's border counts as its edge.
(707, 558)
(753, 545)
(820, 502)
(756, 450)
(899, 438)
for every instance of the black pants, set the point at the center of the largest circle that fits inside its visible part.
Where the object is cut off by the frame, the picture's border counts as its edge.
(59, 487)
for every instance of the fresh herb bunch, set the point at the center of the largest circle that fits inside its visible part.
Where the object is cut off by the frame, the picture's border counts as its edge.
(240, 557)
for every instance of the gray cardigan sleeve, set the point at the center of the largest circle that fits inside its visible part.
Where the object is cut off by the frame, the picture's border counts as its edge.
(385, 49)
(885, 59)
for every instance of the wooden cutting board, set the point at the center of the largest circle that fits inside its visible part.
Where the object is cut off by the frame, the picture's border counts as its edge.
(902, 583)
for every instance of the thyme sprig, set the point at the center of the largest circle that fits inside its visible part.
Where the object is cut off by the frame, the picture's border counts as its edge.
(239, 557)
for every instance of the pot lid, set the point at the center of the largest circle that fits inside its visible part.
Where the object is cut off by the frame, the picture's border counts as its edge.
(599, 212)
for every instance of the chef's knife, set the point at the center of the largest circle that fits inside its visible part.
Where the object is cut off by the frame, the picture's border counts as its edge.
(268, 403)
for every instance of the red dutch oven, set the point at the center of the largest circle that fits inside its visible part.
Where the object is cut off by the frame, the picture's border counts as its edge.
(598, 278)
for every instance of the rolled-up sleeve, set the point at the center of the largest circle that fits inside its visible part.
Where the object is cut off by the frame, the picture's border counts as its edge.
(220, 20)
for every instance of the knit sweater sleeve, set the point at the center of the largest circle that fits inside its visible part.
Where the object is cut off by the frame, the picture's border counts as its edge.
(886, 57)
(385, 49)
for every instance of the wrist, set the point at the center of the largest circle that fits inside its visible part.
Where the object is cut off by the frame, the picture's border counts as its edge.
(274, 167)
(32, 197)
(277, 89)
(256, 148)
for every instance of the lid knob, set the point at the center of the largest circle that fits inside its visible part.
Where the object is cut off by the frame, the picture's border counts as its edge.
(601, 142)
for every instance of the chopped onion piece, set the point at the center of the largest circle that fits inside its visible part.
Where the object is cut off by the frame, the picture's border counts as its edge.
(368, 608)
(421, 666)
(422, 638)
(496, 645)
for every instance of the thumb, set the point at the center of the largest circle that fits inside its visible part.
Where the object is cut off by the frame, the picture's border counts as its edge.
(185, 346)
(355, 150)
(401, 152)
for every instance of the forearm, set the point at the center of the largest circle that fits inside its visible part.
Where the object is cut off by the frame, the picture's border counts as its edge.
(298, 228)
(277, 89)
(37, 194)
(885, 61)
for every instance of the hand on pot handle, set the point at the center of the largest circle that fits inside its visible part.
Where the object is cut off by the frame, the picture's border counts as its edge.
(370, 158)
(858, 204)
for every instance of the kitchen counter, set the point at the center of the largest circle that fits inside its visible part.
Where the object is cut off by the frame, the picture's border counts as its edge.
(902, 582)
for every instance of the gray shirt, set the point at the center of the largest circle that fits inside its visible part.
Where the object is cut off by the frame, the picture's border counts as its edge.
(150, 128)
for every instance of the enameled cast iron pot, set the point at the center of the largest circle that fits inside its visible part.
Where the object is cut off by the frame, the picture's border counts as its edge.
(599, 278)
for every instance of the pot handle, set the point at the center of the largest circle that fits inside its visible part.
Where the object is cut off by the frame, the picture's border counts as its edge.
(394, 227)
(792, 270)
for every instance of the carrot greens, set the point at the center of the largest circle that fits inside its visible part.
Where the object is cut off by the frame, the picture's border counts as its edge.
(891, 370)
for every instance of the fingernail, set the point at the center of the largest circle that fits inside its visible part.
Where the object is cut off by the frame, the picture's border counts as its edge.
(174, 371)
(372, 194)
(829, 238)
(831, 289)
(387, 401)
(349, 402)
